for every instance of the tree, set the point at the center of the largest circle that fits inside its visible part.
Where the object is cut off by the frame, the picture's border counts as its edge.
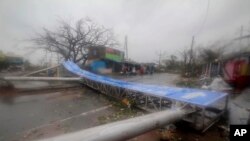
(72, 42)
(172, 63)
(192, 60)
(173, 59)
(3, 61)
(189, 62)
(184, 55)
(2, 56)
(161, 55)
(209, 55)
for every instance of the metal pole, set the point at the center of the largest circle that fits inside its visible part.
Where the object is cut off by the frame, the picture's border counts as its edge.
(126, 46)
(209, 70)
(123, 130)
(42, 78)
(218, 69)
(41, 70)
(58, 68)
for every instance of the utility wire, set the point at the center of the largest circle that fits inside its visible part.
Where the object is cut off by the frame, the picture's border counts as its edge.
(205, 19)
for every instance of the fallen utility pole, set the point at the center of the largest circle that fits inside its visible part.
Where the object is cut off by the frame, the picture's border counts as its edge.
(13, 78)
(41, 70)
(126, 129)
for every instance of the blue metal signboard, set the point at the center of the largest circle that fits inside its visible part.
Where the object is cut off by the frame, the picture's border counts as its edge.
(188, 95)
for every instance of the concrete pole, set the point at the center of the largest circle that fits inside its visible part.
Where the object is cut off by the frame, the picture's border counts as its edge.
(209, 70)
(218, 69)
(42, 78)
(126, 129)
(126, 47)
(41, 70)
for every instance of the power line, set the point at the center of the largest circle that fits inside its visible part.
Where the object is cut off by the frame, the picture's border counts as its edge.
(205, 19)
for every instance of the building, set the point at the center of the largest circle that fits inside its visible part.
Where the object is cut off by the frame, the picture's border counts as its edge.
(104, 59)
(11, 62)
(237, 70)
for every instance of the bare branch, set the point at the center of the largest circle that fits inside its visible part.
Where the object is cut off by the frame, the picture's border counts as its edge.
(72, 42)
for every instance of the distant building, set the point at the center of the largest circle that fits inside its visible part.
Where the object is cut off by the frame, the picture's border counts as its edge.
(14, 62)
(104, 59)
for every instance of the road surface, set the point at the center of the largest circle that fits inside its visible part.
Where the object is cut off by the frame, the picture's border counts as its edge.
(40, 114)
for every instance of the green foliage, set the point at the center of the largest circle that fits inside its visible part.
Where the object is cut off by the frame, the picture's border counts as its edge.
(3, 62)
(2, 56)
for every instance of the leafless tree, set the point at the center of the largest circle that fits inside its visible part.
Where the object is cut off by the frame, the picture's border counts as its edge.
(184, 55)
(172, 64)
(72, 42)
(185, 58)
(189, 61)
(188, 57)
(192, 60)
(161, 55)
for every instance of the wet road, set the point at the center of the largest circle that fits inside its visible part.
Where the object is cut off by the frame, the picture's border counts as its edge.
(239, 108)
(24, 114)
(35, 115)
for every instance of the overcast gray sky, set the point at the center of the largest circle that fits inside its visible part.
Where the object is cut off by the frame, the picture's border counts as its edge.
(151, 25)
